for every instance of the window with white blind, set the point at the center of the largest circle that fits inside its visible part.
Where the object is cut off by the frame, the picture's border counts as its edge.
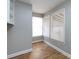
(36, 26)
(58, 26)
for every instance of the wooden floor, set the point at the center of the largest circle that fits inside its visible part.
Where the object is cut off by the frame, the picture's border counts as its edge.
(42, 51)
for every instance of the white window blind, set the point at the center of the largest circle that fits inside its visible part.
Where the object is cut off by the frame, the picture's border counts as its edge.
(36, 26)
(58, 26)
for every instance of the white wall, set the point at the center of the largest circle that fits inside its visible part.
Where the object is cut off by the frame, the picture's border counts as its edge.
(19, 37)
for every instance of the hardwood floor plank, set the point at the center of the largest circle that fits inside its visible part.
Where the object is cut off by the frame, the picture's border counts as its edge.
(42, 51)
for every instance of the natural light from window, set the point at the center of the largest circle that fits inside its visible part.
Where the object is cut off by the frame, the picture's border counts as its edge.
(36, 26)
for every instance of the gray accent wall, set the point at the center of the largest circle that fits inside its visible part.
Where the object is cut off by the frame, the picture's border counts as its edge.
(67, 45)
(19, 36)
(37, 14)
(37, 38)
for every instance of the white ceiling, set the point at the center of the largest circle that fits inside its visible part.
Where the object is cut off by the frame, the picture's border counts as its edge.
(42, 6)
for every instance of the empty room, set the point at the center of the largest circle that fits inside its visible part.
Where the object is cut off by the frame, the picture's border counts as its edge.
(39, 29)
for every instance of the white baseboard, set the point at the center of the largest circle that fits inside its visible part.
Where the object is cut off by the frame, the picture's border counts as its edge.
(63, 52)
(37, 41)
(19, 53)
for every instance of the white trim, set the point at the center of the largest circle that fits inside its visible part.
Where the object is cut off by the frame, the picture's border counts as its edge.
(63, 52)
(37, 41)
(19, 53)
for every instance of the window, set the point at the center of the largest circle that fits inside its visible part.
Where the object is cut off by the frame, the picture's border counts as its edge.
(36, 26)
(58, 26)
